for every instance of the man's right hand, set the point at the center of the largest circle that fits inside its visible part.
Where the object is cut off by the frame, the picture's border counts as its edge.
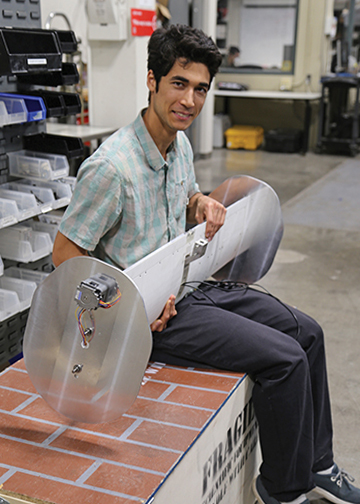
(168, 313)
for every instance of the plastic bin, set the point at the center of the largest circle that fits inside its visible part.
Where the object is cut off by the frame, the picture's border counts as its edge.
(8, 212)
(283, 140)
(244, 137)
(71, 147)
(12, 332)
(62, 190)
(21, 243)
(37, 165)
(52, 218)
(15, 109)
(44, 196)
(9, 304)
(29, 50)
(23, 288)
(72, 103)
(26, 274)
(68, 76)
(54, 103)
(26, 203)
(43, 227)
(59, 104)
(35, 106)
(3, 163)
(68, 42)
(3, 114)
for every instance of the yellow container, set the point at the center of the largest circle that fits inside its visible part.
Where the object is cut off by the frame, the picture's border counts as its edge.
(244, 137)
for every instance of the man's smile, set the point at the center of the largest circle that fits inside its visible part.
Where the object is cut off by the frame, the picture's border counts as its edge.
(182, 115)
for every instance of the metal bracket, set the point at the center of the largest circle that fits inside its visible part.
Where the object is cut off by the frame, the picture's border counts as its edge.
(198, 251)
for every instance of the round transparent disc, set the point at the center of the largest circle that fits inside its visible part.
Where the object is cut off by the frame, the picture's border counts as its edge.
(96, 377)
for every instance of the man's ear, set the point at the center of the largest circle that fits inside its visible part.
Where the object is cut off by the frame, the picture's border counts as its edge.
(151, 81)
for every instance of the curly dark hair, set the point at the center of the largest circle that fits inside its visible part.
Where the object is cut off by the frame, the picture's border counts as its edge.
(181, 41)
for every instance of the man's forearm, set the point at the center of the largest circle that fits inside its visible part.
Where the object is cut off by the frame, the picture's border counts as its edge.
(191, 208)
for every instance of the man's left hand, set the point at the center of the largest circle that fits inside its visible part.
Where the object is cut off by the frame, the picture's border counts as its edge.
(211, 211)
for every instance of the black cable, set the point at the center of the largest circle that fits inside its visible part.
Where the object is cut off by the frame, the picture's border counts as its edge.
(282, 304)
(229, 284)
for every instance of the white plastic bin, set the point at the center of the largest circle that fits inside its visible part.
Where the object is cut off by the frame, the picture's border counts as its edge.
(8, 212)
(38, 165)
(23, 288)
(22, 243)
(26, 274)
(62, 190)
(54, 217)
(9, 304)
(26, 203)
(43, 227)
(16, 111)
(4, 116)
(44, 196)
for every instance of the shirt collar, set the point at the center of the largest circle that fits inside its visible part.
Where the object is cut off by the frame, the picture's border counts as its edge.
(152, 153)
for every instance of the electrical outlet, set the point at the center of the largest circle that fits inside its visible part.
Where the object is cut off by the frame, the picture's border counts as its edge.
(286, 83)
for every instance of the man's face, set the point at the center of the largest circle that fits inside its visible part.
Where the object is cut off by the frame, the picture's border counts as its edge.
(181, 95)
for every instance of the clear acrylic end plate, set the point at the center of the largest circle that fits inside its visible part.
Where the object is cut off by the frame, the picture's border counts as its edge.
(94, 383)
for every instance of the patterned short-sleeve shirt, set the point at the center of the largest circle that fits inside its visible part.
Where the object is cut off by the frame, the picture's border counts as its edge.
(128, 201)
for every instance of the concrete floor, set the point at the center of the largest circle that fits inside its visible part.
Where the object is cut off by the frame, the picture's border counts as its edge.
(317, 268)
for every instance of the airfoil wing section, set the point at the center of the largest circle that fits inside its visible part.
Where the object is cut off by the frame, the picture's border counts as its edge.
(242, 250)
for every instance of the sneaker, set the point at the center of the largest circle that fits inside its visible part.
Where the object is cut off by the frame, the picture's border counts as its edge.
(262, 495)
(336, 487)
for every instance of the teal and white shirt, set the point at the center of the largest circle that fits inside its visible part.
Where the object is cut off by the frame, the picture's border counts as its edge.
(128, 201)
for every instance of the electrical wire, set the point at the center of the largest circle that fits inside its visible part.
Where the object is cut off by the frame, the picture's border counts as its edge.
(112, 303)
(241, 286)
(88, 333)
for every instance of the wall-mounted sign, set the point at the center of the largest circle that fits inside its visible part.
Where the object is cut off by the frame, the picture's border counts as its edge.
(143, 22)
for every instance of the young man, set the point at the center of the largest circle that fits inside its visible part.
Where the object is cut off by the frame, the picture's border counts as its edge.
(135, 194)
